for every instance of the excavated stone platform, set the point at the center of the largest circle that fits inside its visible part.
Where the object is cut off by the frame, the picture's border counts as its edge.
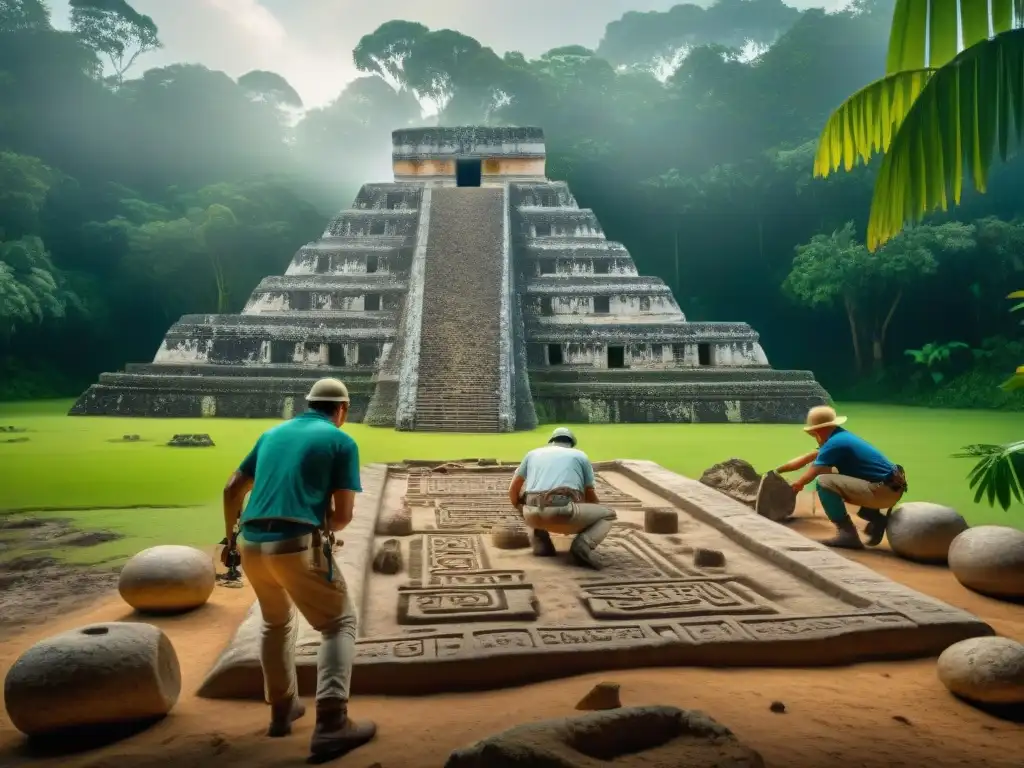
(463, 614)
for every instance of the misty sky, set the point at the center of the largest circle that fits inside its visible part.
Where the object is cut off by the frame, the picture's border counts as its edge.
(310, 42)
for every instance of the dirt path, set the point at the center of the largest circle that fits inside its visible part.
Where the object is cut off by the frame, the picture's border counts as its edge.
(868, 716)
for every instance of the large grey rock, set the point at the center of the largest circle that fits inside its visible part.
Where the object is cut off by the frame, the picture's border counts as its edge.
(921, 531)
(653, 737)
(738, 480)
(988, 670)
(990, 559)
(99, 674)
(167, 579)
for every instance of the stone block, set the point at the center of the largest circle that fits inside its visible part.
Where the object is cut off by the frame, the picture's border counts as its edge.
(99, 674)
(397, 523)
(630, 736)
(987, 670)
(990, 559)
(923, 531)
(708, 558)
(388, 559)
(775, 498)
(191, 441)
(167, 579)
(661, 520)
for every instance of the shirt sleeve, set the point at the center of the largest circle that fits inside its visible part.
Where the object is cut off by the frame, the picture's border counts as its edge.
(523, 465)
(829, 454)
(345, 472)
(589, 481)
(248, 465)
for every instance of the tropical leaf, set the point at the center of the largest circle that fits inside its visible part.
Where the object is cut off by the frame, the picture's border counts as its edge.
(1015, 382)
(967, 109)
(865, 123)
(998, 475)
(927, 33)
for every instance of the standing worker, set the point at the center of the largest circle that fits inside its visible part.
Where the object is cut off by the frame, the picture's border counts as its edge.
(865, 478)
(554, 489)
(304, 475)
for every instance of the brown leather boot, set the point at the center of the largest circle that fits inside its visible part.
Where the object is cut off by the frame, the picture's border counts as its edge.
(542, 544)
(875, 529)
(282, 715)
(334, 733)
(847, 536)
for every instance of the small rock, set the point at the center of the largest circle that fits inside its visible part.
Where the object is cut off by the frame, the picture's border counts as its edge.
(987, 670)
(510, 535)
(622, 737)
(131, 438)
(601, 696)
(990, 559)
(708, 558)
(191, 441)
(388, 559)
(778, 707)
(662, 520)
(10, 428)
(922, 531)
(775, 498)
(99, 674)
(901, 719)
(487, 462)
(167, 579)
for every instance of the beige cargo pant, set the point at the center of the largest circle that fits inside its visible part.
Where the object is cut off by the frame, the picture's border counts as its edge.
(560, 513)
(860, 493)
(291, 574)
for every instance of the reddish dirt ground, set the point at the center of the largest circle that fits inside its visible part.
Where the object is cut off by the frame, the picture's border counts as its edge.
(868, 715)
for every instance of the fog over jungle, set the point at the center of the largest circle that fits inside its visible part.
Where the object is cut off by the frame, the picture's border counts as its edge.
(309, 42)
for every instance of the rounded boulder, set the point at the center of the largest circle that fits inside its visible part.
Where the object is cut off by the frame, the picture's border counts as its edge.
(921, 531)
(990, 559)
(167, 579)
(99, 674)
(987, 670)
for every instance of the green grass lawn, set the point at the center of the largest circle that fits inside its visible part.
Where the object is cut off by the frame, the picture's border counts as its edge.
(71, 461)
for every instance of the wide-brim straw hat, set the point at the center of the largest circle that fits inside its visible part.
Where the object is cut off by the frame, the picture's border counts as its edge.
(822, 417)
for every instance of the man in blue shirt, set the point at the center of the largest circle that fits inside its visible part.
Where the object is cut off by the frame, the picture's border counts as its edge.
(554, 489)
(849, 470)
(304, 475)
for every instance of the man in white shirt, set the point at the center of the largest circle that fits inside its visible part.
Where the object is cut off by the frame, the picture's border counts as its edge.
(554, 489)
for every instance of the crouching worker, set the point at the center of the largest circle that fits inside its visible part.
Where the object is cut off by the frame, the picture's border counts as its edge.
(304, 475)
(554, 490)
(865, 478)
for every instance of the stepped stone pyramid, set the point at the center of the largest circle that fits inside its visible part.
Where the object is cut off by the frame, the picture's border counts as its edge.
(469, 295)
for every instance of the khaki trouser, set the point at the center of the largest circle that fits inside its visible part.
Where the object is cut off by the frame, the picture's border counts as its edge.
(557, 512)
(293, 574)
(860, 493)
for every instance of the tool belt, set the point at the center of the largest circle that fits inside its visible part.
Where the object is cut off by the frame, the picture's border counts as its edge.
(542, 500)
(897, 480)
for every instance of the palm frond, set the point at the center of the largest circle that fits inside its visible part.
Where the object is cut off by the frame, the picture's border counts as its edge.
(999, 475)
(927, 33)
(966, 110)
(865, 123)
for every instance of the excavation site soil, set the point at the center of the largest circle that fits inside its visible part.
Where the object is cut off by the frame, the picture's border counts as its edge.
(425, 624)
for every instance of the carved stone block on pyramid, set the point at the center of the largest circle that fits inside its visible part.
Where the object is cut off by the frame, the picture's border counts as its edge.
(733, 589)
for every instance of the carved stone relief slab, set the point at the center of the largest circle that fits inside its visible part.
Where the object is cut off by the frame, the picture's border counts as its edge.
(466, 615)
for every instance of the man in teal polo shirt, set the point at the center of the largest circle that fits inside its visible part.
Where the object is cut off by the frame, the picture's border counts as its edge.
(304, 475)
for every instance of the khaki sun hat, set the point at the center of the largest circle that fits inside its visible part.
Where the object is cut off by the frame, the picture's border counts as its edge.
(328, 391)
(563, 433)
(822, 416)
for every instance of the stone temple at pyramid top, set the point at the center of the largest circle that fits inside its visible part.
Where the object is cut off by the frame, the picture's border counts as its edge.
(471, 294)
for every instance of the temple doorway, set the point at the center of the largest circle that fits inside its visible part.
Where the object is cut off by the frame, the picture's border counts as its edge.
(468, 171)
